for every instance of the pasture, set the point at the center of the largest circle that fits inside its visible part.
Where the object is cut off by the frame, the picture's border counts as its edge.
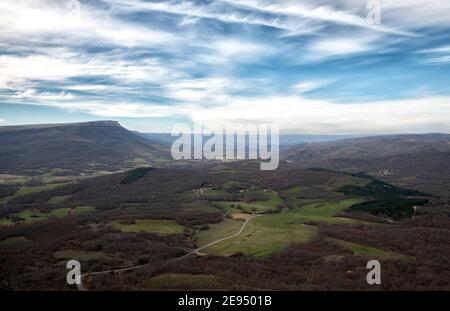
(273, 232)
(163, 227)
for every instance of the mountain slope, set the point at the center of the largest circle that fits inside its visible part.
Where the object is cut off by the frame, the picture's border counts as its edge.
(75, 146)
(421, 162)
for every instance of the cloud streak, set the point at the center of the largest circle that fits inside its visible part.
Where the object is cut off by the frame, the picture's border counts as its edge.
(293, 113)
(312, 66)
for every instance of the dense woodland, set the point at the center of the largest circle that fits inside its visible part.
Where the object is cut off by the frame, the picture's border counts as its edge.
(163, 193)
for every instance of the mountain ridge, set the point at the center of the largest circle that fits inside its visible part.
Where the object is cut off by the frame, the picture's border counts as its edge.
(417, 161)
(74, 146)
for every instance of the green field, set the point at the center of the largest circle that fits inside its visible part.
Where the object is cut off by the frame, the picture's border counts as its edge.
(359, 249)
(59, 199)
(150, 225)
(60, 212)
(253, 207)
(217, 231)
(34, 189)
(262, 235)
(323, 211)
(32, 216)
(5, 222)
(80, 210)
(269, 233)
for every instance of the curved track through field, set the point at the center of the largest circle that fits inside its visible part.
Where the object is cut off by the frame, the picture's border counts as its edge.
(82, 288)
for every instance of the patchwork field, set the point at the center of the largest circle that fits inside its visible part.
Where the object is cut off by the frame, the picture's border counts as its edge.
(84, 209)
(30, 190)
(58, 199)
(32, 216)
(163, 227)
(359, 249)
(322, 211)
(273, 225)
(270, 233)
(225, 228)
(60, 212)
(259, 206)
(263, 236)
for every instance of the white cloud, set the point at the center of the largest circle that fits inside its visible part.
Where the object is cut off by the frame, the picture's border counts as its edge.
(52, 22)
(435, 56)
(199, 90)
(211, 91)
(48, 54)
(292, 16)
(308, 86)
(17, 70)
(325, 13)
(340, 46)
(441, 49)
(232, 51)
(239, 48)
(399, 17)
(32, 94)
(109, 108)
(416, 14)
(292, 113)
(190, 9)
(298, 114)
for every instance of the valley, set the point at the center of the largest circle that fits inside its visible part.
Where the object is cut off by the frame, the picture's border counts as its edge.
(219, 225)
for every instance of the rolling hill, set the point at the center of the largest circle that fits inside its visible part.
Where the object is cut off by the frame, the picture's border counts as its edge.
(419, 161)
(102, 145)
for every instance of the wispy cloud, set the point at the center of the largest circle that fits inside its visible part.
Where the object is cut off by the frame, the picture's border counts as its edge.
(33, 95)
(340, 46)
(309, 86)
(317, 12)
(54, 22)
(217, 61)
(215, 11)
(293, 113)
(20, 69)
(436, 56)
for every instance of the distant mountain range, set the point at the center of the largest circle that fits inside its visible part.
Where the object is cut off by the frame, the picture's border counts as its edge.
(415, 161)
(285, 140)
(419, 161)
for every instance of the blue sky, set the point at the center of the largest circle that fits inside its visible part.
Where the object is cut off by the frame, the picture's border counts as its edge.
(313, 67)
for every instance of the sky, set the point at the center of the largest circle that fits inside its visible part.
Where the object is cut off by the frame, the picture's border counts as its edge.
(312, 67)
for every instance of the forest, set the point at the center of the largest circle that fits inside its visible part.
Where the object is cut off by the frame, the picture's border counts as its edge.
(325, 225)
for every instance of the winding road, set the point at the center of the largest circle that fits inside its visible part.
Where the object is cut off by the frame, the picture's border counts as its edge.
(82, 288)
